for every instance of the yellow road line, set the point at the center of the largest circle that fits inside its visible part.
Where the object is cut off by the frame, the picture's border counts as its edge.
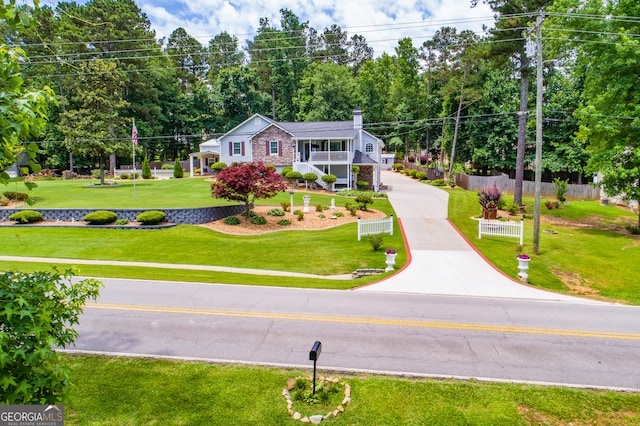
(371, 321)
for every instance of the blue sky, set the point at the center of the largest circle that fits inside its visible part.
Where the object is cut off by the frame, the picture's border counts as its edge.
(382, 23)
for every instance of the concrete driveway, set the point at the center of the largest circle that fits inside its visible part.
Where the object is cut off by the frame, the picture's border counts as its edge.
(441, 260)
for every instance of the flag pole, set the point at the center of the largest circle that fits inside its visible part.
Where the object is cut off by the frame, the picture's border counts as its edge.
(134, 142)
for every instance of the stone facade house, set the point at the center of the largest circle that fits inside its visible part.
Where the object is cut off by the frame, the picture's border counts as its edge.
(311, 147)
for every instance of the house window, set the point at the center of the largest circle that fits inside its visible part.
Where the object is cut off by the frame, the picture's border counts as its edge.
(237, 149)
(368, 148)
(257, 121)
(273, 148)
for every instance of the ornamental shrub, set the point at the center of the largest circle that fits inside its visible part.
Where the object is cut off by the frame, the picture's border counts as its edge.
(217, 166)
(294, 177)
(146, 169)
(561, 187)
(397, 166)
(178, 172)
(122, 222)
(285, 205)
(124, 176)
(309, 178)
(411, 159)
(413, 173)
(284, 222)
(339, 214)
(100, 217)
(319, 207)
(363, 200)
(423, 160)
(16, 196)
(275, 212)
(421, 176)
(26, 216)
(151, 217)
(286, 170)
(232, 220)
(4, 202)
(300, 216)
(258, 220)
(166, 166)
(330, 180)
(376, 241)
(362, 184)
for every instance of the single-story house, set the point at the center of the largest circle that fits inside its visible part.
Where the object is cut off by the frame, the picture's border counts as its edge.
(322, 148)
(209, 154)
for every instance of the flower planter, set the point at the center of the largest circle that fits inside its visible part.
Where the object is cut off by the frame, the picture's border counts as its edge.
(391, 260)
(523, 266)
(491, 213)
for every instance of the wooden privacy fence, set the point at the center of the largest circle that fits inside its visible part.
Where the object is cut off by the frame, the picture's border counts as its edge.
(498, 228)
(375, 226)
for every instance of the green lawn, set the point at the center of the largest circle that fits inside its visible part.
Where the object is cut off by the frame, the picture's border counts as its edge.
(119, 391)
(597, 260)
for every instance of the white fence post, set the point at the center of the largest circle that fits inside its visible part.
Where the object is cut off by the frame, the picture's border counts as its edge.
(375, 226)
(497, 228)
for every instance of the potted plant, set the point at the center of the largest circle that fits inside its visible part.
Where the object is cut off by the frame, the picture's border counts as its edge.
(489, 199)
(390, 253)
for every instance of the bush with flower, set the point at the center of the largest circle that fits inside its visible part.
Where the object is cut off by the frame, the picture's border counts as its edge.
(490, 197)
(390, 251)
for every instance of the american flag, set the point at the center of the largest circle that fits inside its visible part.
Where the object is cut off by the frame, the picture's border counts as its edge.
(134, 133)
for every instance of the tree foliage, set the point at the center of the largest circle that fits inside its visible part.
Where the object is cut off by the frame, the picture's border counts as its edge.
(246, 183)
(37, 312)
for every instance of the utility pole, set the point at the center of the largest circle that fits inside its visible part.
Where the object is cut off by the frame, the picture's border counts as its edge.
(539, 95)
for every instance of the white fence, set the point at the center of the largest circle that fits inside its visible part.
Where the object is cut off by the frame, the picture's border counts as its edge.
(498, 228)
(375, 226)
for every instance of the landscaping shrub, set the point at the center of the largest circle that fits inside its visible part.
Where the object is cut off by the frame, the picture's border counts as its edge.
(513, 209)
(294, 177)
(286, 170)
(329, 179)
(561, 187)
(122, 222)
(275, 212)
(100, 217)
(285, 205)
(251, 214)
(438, 182)
(232, 220)
(411, 159)
(284, 222)
(178, 172)
(258, 220)
(4, 202)
(146, 169)
(363, 200)
(310, 178)
(397, 167)
(166, 166)
(319, 207)
(376, 241)
(26, 216)
(300, 216)
(321, 216)
(413, 173)
(340, 214)
(362, 184)
(151, 217)
(490, 197)
(217, 166)
(16, 196)
(421, 176)
(124, 176)
(423, 160)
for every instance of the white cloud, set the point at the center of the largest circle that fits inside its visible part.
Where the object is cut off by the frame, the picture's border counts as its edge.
(382, 23)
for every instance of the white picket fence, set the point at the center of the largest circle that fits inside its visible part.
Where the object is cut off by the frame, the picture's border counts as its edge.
(375, 226)
(498, 228)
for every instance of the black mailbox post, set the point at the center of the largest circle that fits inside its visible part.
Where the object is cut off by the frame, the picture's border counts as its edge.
(313, 356)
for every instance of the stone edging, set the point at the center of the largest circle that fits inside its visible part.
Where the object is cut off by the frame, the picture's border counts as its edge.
(318, 418)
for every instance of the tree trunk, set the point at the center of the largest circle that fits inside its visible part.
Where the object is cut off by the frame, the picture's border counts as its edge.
(522, 129)
(455, 131)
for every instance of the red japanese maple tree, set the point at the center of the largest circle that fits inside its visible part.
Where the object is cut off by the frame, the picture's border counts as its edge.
(246, 183)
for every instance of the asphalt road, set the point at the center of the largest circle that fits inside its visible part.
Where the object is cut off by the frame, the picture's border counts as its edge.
(540, 341)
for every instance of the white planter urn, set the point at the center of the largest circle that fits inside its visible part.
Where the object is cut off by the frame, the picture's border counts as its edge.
(391, 260)
(523, 266)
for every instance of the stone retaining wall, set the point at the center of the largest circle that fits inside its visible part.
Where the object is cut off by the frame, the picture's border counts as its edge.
(192, 216)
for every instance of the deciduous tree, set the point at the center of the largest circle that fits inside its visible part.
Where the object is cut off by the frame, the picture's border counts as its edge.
(246, 183)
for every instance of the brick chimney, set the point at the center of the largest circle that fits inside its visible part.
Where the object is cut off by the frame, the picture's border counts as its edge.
(357, 119)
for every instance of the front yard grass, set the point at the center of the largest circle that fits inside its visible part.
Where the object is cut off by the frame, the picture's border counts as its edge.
(130, 391)
(586, 253)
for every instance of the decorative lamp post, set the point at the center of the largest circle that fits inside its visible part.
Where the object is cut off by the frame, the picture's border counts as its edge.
(291, 192)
